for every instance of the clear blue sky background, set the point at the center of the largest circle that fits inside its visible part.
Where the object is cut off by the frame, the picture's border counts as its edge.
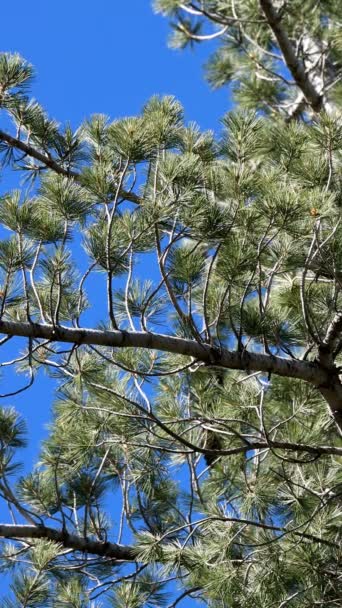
(107, 56)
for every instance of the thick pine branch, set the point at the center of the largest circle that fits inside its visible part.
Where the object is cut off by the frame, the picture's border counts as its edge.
(326, 380)
(124, 553)
(296, 67)
(250, 362)
(69, 541)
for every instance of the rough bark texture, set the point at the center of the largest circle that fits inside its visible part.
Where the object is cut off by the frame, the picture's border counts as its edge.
(296, 67)
(324, 378)
(69, 541)
(303, 370)
(120, 552)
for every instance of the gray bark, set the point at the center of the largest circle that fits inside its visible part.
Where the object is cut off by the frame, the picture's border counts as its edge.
(70, 541)
(313, 96)
(303, 370)
(325, 379)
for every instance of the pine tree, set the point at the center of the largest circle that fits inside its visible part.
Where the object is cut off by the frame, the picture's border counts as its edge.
(227, 355)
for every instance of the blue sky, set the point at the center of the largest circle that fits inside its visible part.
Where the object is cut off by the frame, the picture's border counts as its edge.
(106, 56)
(99, 57)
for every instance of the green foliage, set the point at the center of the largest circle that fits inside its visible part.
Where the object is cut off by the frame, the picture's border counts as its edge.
(64, 199)
(15, 76)
(186, 267)
(163, 119)
(112, 256)
(12, 429)
(129, 140)
(143, 592)
(31, 117)
(71, 595)
(141, 303)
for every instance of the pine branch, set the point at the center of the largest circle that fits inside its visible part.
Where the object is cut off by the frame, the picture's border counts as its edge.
(69, 541)
(29, 150)
(303, 370)
(123, 553)
(296, 67)
(52, 164)
(326, 380)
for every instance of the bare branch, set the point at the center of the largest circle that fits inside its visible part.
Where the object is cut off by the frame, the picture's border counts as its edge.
(303, 370)
(296, 67)
(69, 541)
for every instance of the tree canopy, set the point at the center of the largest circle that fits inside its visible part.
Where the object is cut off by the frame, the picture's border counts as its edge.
(195, 444)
